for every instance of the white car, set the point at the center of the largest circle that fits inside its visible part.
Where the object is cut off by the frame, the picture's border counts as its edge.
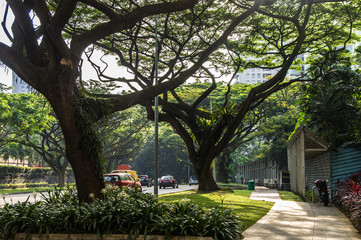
(193, 181)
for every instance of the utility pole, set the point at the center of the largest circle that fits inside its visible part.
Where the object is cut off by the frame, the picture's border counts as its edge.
(156, 114)
(214, 161)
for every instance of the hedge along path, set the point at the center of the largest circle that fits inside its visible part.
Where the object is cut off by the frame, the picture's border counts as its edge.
(24, 236)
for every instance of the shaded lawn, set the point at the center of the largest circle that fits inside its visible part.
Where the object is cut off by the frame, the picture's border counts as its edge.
(248, 211)
(290, 196)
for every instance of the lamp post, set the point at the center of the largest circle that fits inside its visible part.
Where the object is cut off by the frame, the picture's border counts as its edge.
(156, 113)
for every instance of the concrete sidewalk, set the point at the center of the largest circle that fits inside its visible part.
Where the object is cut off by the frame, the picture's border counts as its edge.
(299, 220)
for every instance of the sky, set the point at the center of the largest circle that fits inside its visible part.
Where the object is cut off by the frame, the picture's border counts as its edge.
(5, 76)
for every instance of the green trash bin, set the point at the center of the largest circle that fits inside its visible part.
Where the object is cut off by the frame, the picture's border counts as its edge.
(251, 185)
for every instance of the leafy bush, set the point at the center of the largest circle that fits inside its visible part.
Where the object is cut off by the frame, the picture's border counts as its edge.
(122, 211)
(28, 172)
(348, 198)
(32, 172)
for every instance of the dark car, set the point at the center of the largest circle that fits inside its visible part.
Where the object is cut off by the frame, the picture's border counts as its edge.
(167, 181)
(123, 180)
(145, 180)
(193, 181)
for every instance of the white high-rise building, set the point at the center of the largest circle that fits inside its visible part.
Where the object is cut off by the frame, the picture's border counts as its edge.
(261, 75)
(19, 85)
(255, 75)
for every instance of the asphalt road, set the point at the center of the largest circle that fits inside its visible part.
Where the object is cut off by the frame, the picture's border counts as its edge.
(22, 197)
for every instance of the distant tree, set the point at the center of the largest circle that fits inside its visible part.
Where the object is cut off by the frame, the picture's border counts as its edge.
(123, 134)
(21, 114)
(270, 39)
(274, 133)
(29, 125)
(268, 137)
(18, 152)
(49, 145)
(173, 158)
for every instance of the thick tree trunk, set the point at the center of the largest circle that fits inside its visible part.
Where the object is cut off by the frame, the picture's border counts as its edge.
(61, 174)
(88, 175)
(222, 171)
(87, 170)
(223, 167)
(82, 147)
(205, 178)
(61, 178)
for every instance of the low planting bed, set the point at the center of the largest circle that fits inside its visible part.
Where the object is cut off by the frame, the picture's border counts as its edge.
(348, 198)
(122, 211)
(24, 236)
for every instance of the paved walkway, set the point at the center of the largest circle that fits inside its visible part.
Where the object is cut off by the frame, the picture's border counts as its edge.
(299, 220)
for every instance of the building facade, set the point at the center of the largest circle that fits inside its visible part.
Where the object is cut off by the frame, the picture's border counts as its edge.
(19, 86)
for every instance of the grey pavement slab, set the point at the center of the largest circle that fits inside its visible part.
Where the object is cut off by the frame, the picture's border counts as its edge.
(288, 220)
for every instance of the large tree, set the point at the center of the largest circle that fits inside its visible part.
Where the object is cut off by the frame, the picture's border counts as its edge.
(45, 57)
(271, 38)
(49, 39)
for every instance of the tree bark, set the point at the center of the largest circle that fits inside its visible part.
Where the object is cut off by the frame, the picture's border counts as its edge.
(61, 178)
(206, 181)
(61, 173)
(87, 173)
(222, 170)
(83, 149)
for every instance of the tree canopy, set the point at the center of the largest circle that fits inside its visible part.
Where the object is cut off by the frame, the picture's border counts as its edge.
(331, 108)
(197, 39)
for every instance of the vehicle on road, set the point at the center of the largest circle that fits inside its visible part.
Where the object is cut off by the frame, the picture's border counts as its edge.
(123, 180)
(168, 181)
(193, 180)
(145, 180)
(132, 172)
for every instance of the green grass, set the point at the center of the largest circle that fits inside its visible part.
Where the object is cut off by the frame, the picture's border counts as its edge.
(233, 185)
(24, 190)
(290, 196)
(248, 211)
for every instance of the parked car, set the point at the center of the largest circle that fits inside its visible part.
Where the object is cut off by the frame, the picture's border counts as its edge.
(167, 181)
(145, 180)
(123, 180)
(193, 180)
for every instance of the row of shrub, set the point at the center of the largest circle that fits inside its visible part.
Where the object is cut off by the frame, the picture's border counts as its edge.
(30, 172)
(348, 198)
(122, 211)
(25, 185)
(14, 175)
